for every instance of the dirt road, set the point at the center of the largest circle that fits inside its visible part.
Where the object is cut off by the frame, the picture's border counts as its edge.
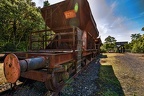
(129, 69)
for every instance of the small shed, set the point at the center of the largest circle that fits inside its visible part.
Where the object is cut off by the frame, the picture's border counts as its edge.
(120, 46)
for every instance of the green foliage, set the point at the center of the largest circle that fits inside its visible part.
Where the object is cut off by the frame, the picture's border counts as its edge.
(103, 48)
(138, 45)
(142, 29)
(135, 36)
(110, 39)
(18, 19)
(9, 47)
(46, 3)
(128, 47)
(22, 46)
(1, 49)
(109, 45)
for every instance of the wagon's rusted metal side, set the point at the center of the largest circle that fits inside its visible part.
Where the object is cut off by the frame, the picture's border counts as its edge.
(55, 18)
(57, 53)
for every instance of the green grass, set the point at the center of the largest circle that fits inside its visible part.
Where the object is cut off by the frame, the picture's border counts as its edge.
(108, 82)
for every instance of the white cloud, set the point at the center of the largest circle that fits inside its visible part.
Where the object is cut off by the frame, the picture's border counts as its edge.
(109, 24)
(113, 5)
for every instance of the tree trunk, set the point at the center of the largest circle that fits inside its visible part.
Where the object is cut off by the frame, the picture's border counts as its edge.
(14, 32)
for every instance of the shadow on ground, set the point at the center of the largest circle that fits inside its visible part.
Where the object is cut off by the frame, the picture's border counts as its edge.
(103, 56)
(108, 83)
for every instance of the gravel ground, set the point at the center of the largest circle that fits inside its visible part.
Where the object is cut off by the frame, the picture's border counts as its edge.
(85, 83)
(32, 89)
(29, 89)
(132, 75)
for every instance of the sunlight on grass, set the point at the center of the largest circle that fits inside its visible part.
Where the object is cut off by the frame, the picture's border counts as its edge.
(108, 82)
(2, 78)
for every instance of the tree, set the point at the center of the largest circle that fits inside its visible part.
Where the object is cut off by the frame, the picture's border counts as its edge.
(19, 18)
(110, 43)
(110, 39)
(135, 36)
(142, 29)
(137, 43)
(46, 3)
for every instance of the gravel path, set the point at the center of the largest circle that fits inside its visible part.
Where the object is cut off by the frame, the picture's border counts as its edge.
(85, 83)
(132, 74)
(128, 69)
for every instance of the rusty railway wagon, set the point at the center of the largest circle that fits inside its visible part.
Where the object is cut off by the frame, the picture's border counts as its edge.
(69, 42)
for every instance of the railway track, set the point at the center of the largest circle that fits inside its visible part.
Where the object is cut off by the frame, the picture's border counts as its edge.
(35, 88)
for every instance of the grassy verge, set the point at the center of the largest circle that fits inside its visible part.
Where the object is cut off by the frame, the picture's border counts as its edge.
(108, 82)
(2, 78)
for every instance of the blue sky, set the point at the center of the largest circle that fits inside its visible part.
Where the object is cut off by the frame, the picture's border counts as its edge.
(117, 18)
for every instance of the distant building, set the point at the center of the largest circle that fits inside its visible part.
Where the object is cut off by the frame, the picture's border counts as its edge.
(120, 46)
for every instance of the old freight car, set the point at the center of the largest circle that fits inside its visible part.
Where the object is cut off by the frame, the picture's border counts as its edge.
(57, 53)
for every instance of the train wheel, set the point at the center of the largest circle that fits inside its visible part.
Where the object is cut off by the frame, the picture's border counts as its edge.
(52, 83)
(83, 63)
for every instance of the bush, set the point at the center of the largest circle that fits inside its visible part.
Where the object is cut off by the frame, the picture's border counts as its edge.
(138, 46)
(103, 49)
(22, 46)
(1, 49)
(9, 47)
